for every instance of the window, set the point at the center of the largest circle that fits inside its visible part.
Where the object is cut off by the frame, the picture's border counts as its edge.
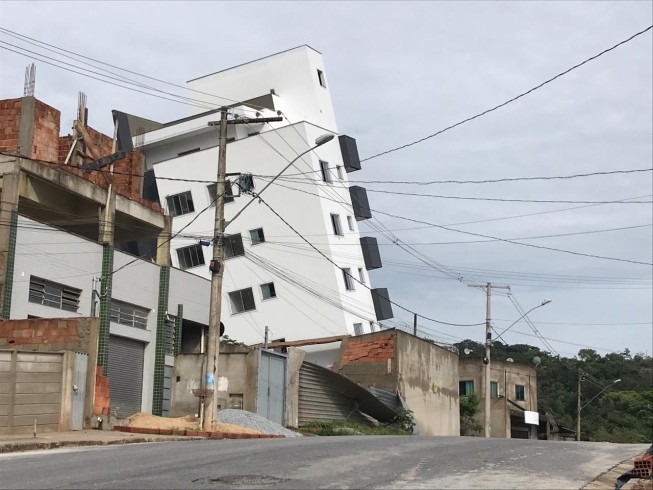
(349, 281)
(48, 293)
(320, 78)
(494, 389)
(190, 256)
(268, 291)
(324, 168)
(339, 171)
(233, 246)
(257, 236)
(350, 223)
(335, 221)
(228, 192)
(128, 314)
(520, 392)
(242, 300)
(179, 204)
(361, 276)
(358, 329)
(465, 388)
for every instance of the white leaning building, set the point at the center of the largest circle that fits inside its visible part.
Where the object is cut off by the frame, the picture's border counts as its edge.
(272, 276)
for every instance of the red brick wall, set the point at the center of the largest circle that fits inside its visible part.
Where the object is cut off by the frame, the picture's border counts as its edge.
(45, 136)
(46, 334)
(369, 348)
(9, 123)
(101, 402)
(48, 146)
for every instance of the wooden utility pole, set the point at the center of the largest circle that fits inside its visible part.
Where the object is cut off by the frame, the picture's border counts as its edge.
(217, 269)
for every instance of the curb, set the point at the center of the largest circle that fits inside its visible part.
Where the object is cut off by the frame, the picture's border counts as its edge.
(194, 433)
(35, 446)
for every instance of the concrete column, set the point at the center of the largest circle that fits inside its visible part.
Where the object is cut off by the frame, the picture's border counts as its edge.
(26, 126)
(8, 230)
(68, 367)
(106, 238)
(163, 243)
(294, 363)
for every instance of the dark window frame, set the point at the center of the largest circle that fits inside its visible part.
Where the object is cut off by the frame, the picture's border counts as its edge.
(233, 246)
(180, 204)
(520, 394)
(260, 236)
(186, 256)
(337, 226)
(271, 291)
(53, 294)
(349, 280)
(228, 193)
(463, 385)
(326, 174)
(320, 78)
(494, 389)
(239, 298)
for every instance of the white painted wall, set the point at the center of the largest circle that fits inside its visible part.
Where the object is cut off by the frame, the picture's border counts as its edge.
(293, 76)
(295, 313)
(68, 259)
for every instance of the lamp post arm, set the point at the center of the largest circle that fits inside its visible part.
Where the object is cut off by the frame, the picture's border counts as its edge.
(596, 396)
(516, 321)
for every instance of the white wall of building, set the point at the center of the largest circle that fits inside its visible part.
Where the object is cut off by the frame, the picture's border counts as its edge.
(292, 74)
(307, 205)
(73, 261)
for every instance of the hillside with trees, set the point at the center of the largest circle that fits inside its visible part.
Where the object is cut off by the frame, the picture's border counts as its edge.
(622, 413)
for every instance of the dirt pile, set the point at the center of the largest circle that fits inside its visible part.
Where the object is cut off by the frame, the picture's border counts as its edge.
(149, 421)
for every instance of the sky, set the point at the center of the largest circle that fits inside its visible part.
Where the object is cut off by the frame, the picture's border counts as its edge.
(400, 71)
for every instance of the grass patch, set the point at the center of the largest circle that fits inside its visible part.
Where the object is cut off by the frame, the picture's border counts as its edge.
(342, 428)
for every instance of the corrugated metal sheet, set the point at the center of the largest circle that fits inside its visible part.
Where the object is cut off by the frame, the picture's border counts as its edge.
(388, 398)
(125, 373)
(326, 395)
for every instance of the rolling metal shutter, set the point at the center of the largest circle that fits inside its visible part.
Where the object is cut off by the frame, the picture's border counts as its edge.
(125, 372)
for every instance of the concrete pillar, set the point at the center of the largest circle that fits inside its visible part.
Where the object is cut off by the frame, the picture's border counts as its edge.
(26, 126)
(106, 237)
(68, 367)
(8, 231)
(294, 363)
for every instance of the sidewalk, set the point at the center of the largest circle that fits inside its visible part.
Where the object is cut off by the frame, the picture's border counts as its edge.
(53, 440)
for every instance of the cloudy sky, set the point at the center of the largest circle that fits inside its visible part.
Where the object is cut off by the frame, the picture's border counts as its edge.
(399, 72)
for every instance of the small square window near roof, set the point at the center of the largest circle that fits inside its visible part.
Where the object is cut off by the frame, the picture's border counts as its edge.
(321, 79)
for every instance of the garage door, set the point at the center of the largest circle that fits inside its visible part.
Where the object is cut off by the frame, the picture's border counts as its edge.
(125, 375)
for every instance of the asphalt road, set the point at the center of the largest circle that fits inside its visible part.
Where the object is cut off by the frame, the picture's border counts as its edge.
(319, 462)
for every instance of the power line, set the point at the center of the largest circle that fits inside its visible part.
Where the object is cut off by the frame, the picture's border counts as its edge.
(498, 199)
(505, 179)
(503, 104)
(352, 277)
(487, 181)
(518, 243)
(23, 37)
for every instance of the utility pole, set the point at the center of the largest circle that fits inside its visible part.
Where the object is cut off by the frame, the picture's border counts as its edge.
(578, 407)
(487, 406)
(217, 269)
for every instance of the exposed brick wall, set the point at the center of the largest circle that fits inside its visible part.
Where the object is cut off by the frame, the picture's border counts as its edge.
(369, 349)
(9, 124)
(369, 360)
(45, 136)
(46, 334)
(48, 146)
(101, 402)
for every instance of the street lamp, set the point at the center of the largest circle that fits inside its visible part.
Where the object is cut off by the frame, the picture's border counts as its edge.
(580, 378)
(545, 302)
(319, 141)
